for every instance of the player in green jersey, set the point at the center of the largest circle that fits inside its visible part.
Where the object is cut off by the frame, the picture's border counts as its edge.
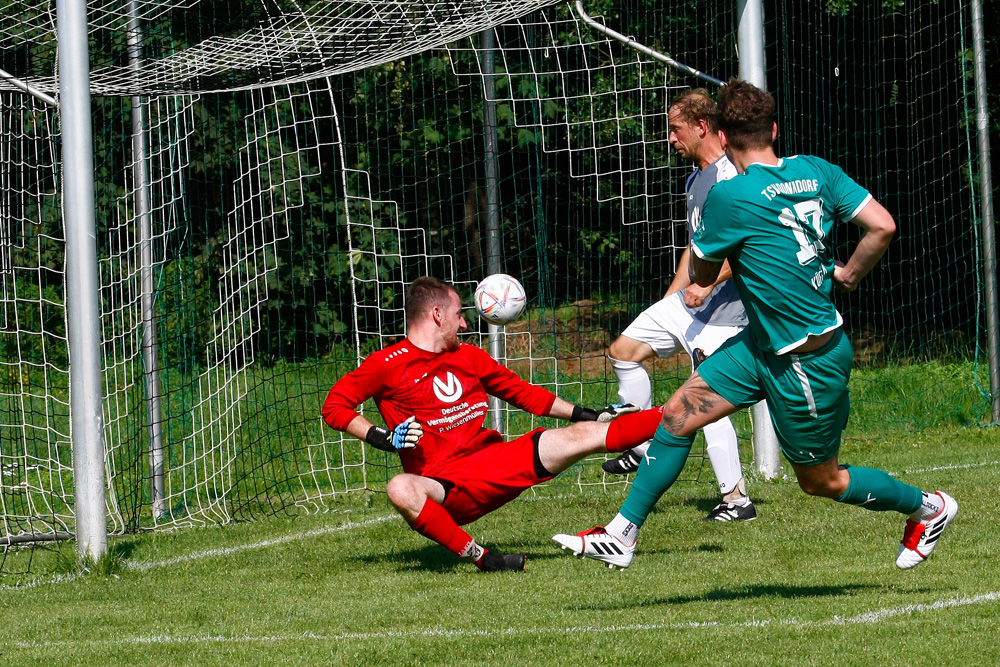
(771, 222)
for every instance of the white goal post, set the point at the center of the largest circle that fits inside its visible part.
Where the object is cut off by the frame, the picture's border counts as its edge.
(82, 281)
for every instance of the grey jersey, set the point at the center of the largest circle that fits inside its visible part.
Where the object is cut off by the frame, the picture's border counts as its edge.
(723, 307)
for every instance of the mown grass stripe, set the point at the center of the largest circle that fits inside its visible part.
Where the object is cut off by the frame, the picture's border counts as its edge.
(199, 555)
(867, 618)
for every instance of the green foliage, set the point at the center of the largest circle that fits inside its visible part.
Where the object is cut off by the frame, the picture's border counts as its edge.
(605, 243)
(843, 7)
(36, 332)
(413, 131)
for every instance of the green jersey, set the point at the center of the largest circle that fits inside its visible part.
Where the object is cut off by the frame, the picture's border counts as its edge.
(772, 222)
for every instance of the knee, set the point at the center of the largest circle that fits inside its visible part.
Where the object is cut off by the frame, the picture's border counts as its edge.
(401, 491)
(675, 417)
(626, 350)
(823, 487)
(587, 437)
(617, 351)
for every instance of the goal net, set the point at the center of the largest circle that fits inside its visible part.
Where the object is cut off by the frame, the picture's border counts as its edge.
(304, 162)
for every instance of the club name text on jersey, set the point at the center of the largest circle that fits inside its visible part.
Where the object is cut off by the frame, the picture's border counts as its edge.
(790, 188)
(460, 414)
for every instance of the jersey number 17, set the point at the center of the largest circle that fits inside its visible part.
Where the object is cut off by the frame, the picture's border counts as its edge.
(806, 224)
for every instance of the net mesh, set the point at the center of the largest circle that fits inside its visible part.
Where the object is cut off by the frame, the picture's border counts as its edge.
(224, 45)
(306, 161)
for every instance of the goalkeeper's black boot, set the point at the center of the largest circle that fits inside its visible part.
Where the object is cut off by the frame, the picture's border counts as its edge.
(623, 465)
(491, 561)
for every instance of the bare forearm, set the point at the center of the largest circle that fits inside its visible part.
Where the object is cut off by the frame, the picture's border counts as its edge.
(703, 272)
(681, 279)
(561, 409)
(864, 258)
(359, 427)
(879, 228)
(725, 273)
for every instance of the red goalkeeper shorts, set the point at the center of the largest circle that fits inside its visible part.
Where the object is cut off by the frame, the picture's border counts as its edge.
(479, 483)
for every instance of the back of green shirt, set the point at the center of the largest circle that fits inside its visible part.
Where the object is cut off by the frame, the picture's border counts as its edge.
(771, 222)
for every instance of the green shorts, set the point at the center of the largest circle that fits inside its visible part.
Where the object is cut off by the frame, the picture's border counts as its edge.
(807, 394)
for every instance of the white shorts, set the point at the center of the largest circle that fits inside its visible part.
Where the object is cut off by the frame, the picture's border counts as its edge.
(668, 327)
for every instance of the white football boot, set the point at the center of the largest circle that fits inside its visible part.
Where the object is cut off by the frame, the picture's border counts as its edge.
(920, 537)
(597, 544)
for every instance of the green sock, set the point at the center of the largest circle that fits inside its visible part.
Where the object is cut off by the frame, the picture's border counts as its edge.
(659, 469)
(878, 491)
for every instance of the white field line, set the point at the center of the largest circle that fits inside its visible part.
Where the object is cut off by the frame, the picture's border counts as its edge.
(209, 553)
(55, 579)
(868, 618)
(963, 466)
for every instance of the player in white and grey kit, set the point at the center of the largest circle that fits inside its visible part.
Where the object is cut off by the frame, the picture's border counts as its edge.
(691, 318)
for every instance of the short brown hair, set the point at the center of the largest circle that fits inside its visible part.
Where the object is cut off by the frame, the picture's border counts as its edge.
(746, 115)
(426, 292)
(694, 105)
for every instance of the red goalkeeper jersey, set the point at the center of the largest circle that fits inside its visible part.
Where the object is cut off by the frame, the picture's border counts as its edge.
(447, 392)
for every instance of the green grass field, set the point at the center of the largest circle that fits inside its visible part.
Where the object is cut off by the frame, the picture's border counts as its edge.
(809, 583)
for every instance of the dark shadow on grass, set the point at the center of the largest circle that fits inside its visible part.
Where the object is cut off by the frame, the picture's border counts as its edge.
(742, 593)
(432, 558)
(123, 549)
(771, 591)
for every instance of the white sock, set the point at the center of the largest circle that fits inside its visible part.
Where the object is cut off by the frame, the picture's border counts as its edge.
(623, 529)
(724, 453)
(633, 383)
(472, 551)
(641, 449)
(930, 507)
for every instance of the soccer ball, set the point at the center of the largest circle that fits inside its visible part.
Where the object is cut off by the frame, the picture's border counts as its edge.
(499, 299)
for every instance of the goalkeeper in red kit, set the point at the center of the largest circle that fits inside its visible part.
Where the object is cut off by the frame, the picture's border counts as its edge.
(433, 392)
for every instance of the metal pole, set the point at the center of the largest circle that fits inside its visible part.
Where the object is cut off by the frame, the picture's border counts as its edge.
(750, 43)
(493, 258)
(642, 48)
(28, 88)
(83, 304)
(766, 452)
(150, 353)
(986, 193)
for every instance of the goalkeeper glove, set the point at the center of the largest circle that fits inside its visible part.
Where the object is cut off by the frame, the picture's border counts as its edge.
(404, 436)
(604, 414)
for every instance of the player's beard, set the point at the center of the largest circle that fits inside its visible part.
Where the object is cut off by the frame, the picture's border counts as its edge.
(451, 341)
